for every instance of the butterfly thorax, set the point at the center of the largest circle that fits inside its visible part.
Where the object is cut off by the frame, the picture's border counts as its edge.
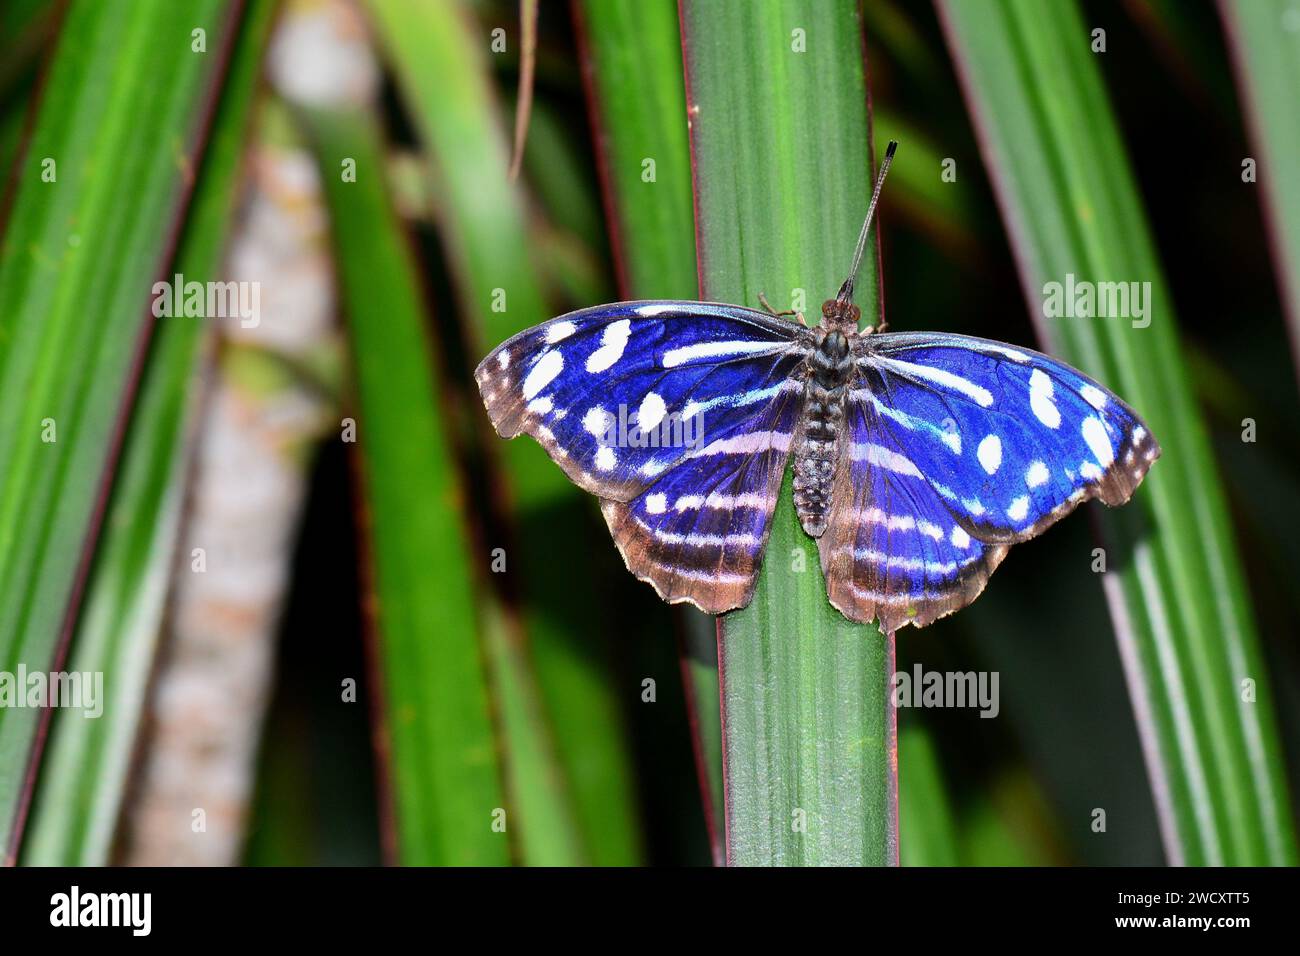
(827, 375)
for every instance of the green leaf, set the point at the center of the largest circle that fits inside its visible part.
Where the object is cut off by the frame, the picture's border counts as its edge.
(84, 774)
(442, 72)
(633, 58)
(444, 773)
(704, 710)
(638, 97)
(79, 257)
(1174, 581)
(782, 180)
(927, 831)
(1264, 37)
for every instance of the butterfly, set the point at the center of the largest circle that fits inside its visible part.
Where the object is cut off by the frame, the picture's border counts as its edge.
(919, 458)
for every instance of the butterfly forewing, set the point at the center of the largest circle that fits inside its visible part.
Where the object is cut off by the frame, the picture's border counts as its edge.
(619, 394)
(1010, 439)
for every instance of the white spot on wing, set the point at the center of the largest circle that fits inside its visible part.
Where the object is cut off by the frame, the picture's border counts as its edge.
(959, 537)
(1036, 475)
(930, 529)
(652, 412)
(940, 377)
(605, 458)
(543, 373)
(684, 354)
(973, 505)
(882, 457)
(1090, 471)
(1093, 396)
(656, 504)
(746, 444)
(503, 359)
(990, 453)
(1094, 433)
(892, 522)
(560, 331)
(597, 421)
(1040, 399)
(541, 406)
(656, 308)
(612, 343)
(1005, 352)
(1017, 510)
(881, 559)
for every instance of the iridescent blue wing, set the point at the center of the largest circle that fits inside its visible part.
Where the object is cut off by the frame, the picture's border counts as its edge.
(698, 533)
(591, 384)
(1010, 438)
(988, 444)
(893, 551)
(678, 415)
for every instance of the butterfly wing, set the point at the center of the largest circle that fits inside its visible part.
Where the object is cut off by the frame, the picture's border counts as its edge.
(619, 394)
(691, 517)
(892, 550)
(698, 533)
(1021, 438)
(988, 445)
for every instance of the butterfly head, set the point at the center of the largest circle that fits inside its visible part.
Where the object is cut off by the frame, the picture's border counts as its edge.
(840, 315)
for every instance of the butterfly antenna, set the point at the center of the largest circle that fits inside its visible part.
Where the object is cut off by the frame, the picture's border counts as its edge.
(846, 290)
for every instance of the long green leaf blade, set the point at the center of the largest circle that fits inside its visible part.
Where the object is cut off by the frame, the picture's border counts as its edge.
(633, 64)
(85, 240)
(1185, 630)
(441, 65)
(1264, 38)
(781, 189)
(445, 777)
(84, 774)
(634, 61)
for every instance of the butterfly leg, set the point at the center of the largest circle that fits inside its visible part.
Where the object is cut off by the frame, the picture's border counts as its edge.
(771, 311)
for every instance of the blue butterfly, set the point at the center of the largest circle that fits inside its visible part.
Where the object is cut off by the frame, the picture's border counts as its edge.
(919, 458)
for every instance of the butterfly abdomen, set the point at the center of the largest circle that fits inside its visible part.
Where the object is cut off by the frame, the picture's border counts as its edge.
(830, 368)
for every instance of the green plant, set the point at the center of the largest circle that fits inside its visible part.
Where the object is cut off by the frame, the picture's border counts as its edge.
(1177, 597)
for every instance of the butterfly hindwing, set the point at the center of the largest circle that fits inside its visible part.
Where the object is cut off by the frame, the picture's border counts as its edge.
(619, 394)
(698, 533)
(892, 551)
(1010, 439)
